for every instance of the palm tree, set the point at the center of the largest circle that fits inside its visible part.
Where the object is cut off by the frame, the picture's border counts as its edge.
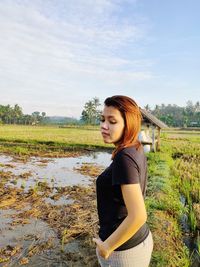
(90, 113)
(17, 113)
(147, 107)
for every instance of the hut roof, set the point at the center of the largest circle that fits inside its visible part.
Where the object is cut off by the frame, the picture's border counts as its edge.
(149, 118)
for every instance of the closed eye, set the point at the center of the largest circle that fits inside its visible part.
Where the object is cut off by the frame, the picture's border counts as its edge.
(111, 122)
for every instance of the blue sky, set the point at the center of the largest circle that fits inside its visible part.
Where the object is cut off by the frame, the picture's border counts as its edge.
(57, 54)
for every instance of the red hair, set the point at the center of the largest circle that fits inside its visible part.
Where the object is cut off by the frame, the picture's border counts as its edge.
(132, 120)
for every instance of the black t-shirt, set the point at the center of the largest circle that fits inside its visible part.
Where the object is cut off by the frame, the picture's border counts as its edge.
(129, 166)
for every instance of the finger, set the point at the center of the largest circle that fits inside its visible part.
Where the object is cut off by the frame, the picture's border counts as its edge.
(97, 241)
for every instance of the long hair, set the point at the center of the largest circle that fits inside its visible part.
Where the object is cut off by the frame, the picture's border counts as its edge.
(132, 120)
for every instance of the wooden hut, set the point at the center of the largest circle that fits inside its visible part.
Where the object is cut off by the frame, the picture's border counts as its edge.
(150, 124)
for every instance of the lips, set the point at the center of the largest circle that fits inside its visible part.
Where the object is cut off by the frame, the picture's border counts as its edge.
(105, 134)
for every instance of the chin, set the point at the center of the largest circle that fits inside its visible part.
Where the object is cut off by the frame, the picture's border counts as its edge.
(107, 141)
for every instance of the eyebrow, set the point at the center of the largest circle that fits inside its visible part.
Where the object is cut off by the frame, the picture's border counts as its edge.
(110, 117)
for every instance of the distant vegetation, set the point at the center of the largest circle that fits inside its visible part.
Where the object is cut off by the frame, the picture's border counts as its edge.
(14, 115)
(176, 116)
(172, 115)
(61, 120)
(91, 113)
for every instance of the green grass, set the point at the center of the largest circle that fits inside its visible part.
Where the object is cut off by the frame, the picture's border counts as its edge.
(164, 210)
(51, 135)
(173, 171)
(27, 140)
(192, 135)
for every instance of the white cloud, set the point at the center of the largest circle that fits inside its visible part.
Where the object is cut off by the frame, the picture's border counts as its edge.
(67, 46)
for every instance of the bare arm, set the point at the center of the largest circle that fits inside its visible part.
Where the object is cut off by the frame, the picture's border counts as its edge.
(135, 219)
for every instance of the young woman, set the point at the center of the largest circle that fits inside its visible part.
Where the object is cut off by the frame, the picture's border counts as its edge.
(124, 237)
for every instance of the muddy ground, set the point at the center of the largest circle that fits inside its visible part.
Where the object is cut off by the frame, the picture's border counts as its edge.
(47, 225)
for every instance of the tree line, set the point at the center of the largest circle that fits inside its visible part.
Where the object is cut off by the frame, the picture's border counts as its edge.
(172, 115)
(14, 115)
(175, 116)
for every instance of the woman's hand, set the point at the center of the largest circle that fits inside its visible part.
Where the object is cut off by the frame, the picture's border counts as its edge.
(102, 248)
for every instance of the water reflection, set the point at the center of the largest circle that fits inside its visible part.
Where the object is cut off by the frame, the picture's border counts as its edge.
(55, 171)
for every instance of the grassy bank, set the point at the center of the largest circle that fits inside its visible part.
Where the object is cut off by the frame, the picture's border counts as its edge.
(48, 140)
(174, 175)
(165, 210)
(50, 135)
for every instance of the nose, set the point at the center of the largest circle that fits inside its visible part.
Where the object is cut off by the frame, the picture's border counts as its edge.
(104, 125)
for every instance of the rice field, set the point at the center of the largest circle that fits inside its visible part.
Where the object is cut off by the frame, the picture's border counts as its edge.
(173, 197)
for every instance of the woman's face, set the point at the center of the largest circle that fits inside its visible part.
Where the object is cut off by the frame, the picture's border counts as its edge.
(112, 125)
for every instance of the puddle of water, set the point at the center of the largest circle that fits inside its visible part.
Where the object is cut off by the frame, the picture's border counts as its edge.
(60, 201)
(57, 171)
(28, 236)
(55, 258)
(32, 235)
(36, 226)
(4, 159)
(5, 218)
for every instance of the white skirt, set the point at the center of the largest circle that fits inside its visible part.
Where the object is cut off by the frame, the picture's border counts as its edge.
(138, 256)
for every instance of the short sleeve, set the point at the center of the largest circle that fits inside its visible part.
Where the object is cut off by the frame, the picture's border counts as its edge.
(125, 170)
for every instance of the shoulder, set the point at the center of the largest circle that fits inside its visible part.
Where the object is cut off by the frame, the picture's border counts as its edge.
(130, 153)
(131, 157)
(126, 167)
